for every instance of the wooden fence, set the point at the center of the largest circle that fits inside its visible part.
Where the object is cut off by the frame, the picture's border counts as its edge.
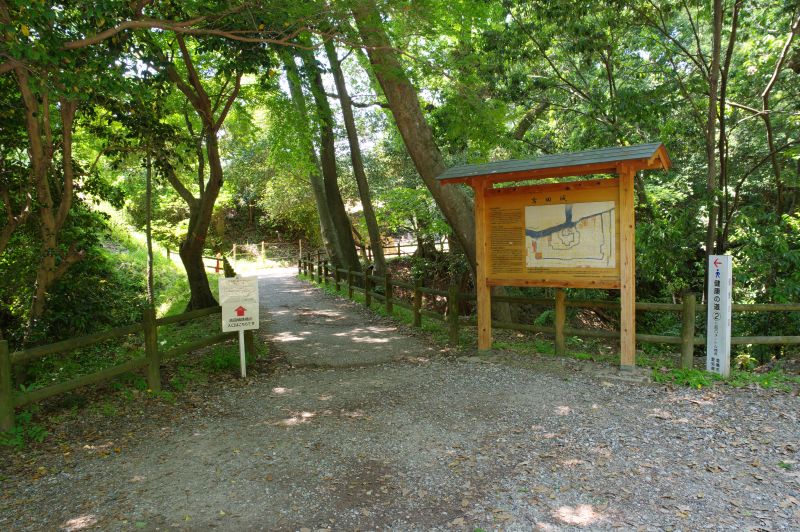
(398, 250)
(320, 269)
(152, 359)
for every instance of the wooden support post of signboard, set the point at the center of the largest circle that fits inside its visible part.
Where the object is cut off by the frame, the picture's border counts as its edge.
(627, 268)
(560, 320)
(484, 295)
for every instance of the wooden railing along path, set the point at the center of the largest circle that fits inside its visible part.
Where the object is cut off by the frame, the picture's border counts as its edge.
(151, 360)
(318, 267)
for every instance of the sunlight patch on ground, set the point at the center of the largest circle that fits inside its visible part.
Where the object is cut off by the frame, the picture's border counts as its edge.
(563, 410)
(369, 340)
(280, 390)
(297, 419)
(288, 337)
(572, 462)
(582, 515)
(79, 523)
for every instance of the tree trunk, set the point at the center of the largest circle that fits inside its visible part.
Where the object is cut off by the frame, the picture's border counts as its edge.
(149, 230)
(202, 208)
(41, 150)
(711, 129)
(356, 159)
(417, 135)
(348, 256)
(315, 178)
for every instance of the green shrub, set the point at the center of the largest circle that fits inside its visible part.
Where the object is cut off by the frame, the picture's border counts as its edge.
(24, 432)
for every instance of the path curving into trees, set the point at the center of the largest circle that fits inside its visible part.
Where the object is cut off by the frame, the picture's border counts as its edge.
(365, 426)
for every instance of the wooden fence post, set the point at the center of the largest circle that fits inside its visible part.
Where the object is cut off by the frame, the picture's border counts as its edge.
(417, 305)
(325, 271)
(168, 253)
(349, 283)
(319, 266)
(336, 279)
(687, 331)
(151, 350)
(387, 291)
(263, 253)
(250, 343)
(560, 320)
(399, 252)
(367, 288)
(6, 388)
(452, 313)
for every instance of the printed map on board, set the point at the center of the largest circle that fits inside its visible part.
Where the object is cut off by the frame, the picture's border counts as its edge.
(571, 235)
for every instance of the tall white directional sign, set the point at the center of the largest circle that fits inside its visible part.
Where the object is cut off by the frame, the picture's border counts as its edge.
(718, 335)
(238, 297)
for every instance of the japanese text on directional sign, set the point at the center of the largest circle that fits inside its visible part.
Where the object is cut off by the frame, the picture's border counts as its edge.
(718, 340)
(239, 300)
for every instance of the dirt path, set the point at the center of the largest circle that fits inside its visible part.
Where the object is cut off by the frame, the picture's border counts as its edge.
(371, 429)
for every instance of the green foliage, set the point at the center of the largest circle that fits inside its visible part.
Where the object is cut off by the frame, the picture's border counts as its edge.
(767, 380)
(694, 378)
(223, 358)
(25, 431)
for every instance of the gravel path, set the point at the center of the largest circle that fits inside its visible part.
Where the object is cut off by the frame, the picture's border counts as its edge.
(369, 427)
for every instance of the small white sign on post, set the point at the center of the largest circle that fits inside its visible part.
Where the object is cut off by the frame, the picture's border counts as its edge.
(719, 299)
(238, 297)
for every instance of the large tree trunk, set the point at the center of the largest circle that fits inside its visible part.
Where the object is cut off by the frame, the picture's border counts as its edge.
(348, 256)
(356, 159)
(315, 177)
(191, 250)
(711, 129)
(417, 135)
(202, 207)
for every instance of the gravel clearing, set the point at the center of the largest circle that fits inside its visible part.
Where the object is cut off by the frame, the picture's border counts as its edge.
(368, 426)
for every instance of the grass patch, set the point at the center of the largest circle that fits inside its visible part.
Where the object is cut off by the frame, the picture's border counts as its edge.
(25, 431)
(698, 378)
(694, 378)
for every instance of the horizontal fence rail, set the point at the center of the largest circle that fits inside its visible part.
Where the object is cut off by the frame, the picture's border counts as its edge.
(385, 290)
(152, 359)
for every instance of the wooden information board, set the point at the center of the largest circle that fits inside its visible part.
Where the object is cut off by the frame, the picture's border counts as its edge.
(559, 235)
(575, 234)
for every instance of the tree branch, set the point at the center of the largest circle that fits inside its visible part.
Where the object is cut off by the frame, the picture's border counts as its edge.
(231, 98)
(781, 60)
(180, 188)
(360, 105)
(68, 108)
(72, 256)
